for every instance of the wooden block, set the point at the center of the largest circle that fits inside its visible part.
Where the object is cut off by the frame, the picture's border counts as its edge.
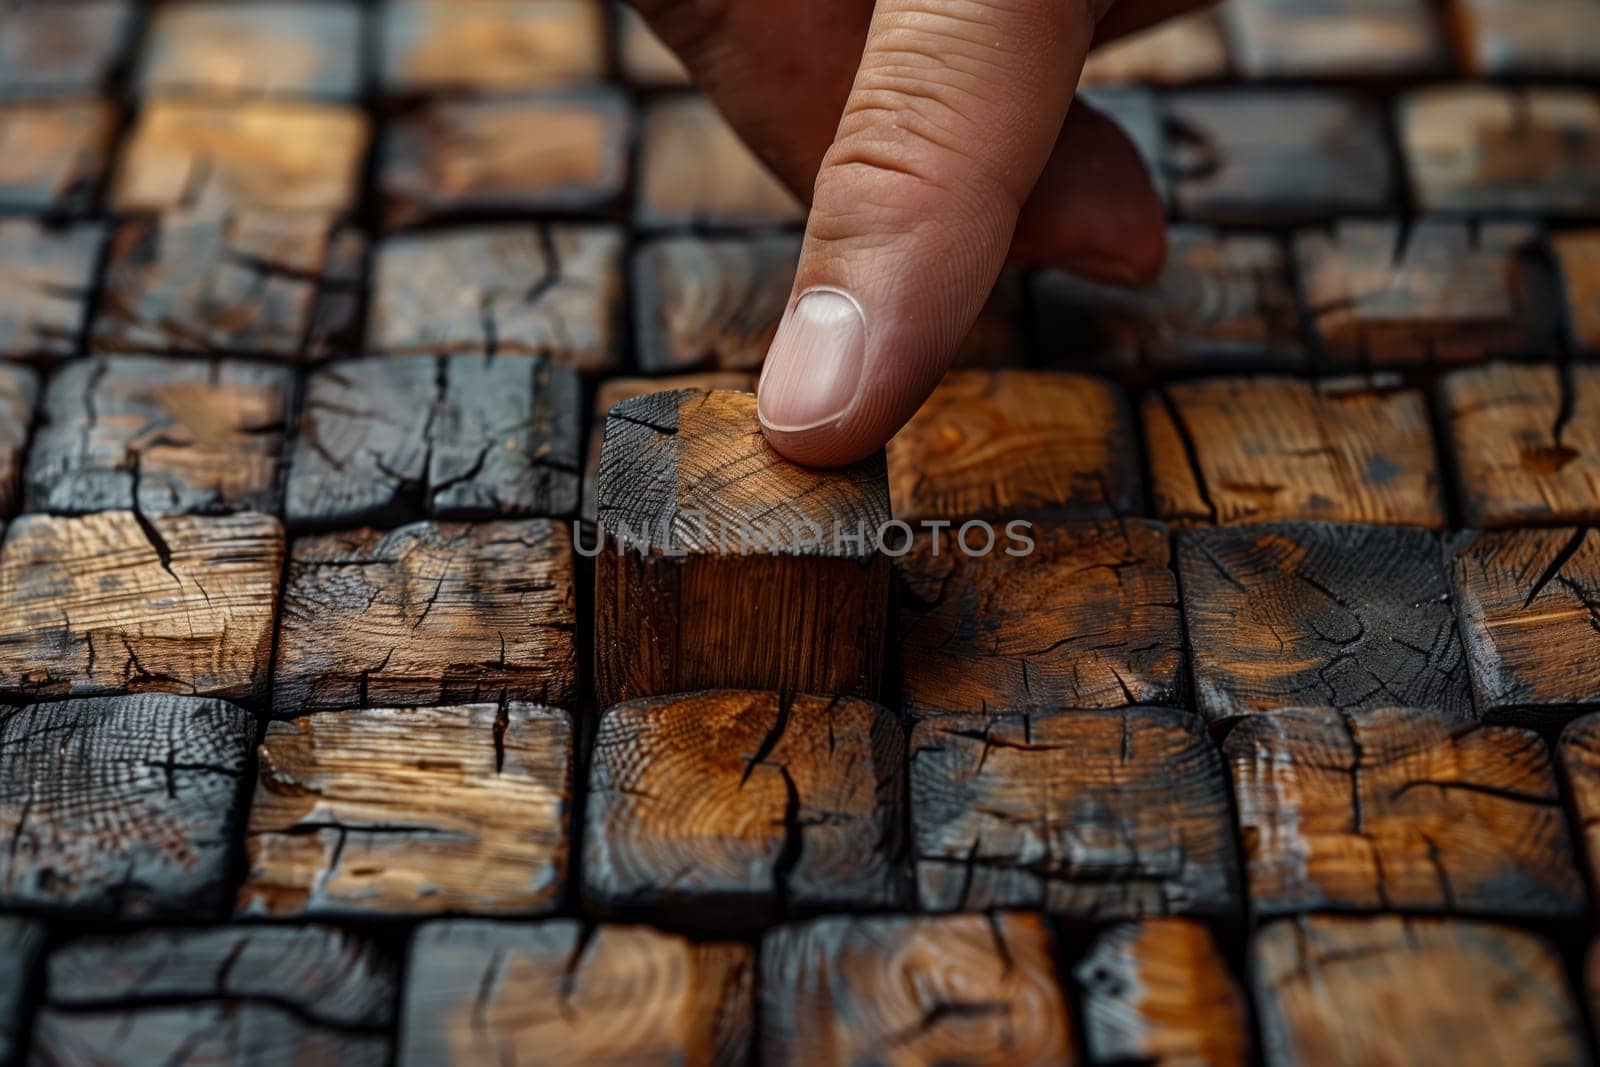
(959, 989)
(1579, 755)
(695, 171)
(1087, 618)
(1442, 291)
(1398, 990)
(1503, 151)
(727, 810)
(645, 59)
(250, 48)
(46, 275)
(1334, 39)
(249, 283)
(52, 154)
(1529, 602)
(1222, 301)
(19, 389)
(1400, 810)
(337, 827)
(504, 156)
(125, 806)
(122, 602)
(1539, 38)
(262, 994)
(549, 290)
(1289, 156)
(710, 303)
(490, 46)
(1188, 48)
(1526, 443)
(217, 158)
(480, 991)
(388, 440)
(725, 566)
(159, 436)
(1349, 618)
(21, 946)
(1158, 992)
(49, 48)
(1577, 255)
(1226, 451)
(429, 614)
(1100, 815)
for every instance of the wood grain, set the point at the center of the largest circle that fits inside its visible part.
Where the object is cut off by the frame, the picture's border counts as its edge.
(160, 436)
(490, 46)
(46, 275)
(339, 826)
(1350, 618)
(428, 614)
(1334, 39)
(1392, 990)
(1228, 451)
(1158, 992)
(308, 49)
(120, 602)
(482, 992)
(727, 810)
(1525, 441)
(1101, 815)
(228, 995)
(694, 170)
(22, 943)
(551, 290)
(388, 440)
(721, 567)
(19, 390)
(710, 303)
(1089, 619)
(48, 48)
(1529, 602)
(1577, 255)
(1578, 753)
(1187, 48)
(1537, 38)
(1400, 810)
(53, 153)
(902, 991)
(1015, 444)
(122, 806)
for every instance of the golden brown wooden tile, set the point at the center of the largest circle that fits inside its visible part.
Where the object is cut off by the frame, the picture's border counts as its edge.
(251, 48)
(1087, 618)
(1579, 755)
(123, 806)
(1400, 810)
(1350, 618)
(1098, 815)
(1188, 48)
(1577, 254)
(1227, 451)
(53, 154)
(694, 170)
(957, 989)
(160, 435)
(46, 276)
(1526, 443)
(22, 943)
(1334, 38)
(729, 809)
(121, 602)
(337, 827)
(478, 991)
(50, 48)
(490, 46)
(1528, 37)
(19, 391)
(645, 59)
(725, 566)
(1400, 990)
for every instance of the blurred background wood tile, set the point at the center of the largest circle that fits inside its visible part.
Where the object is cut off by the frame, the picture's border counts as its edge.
(47, 275)
(51, 48)
(53, 154)
(22, 944)
(1528, 37)
(1334, 38)
(310, 49)
(489, 46)
(694, 171)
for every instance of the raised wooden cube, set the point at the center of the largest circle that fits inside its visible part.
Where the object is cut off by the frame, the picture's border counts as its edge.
(22, 943)
(1522, 38)
(727, 810)
(46, 277)
(54, 154)
(1085, 814)
(1088, 618)
(428, 614)
(309, 49)
(490, 46)
(394, 439)
(1399, 990)
(1226, 451)
(1340, 39)
(958, 989)
(1526, 443)
(1529, 602)
(122, 602)
(460, 158)
(19, 390)
(159, 436)
(48, 48)
(125, 806)
(549, 290)
(1577, 255)
(1400, 810)
(262, 994)
(479, 991)
(1350, 618)
(726, 566)
(338, 829)
(1185, 48)
(694, 170)
(710, 303)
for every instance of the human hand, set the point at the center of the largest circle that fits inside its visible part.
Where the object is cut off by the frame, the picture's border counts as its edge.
(934, 139)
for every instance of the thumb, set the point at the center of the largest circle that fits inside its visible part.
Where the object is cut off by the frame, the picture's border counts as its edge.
(953, 114)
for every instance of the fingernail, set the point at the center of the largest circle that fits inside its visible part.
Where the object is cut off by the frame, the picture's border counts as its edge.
(813, 368)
